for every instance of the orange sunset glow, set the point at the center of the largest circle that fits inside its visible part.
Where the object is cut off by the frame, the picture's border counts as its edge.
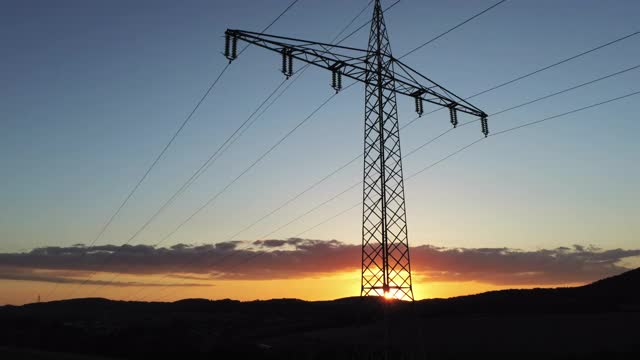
(326, 287)
(312, 270)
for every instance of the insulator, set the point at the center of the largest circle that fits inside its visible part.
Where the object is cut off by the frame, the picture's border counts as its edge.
(419, 108)
(227, 46)
(454, 116)
(336, 76)
(485, 125)
(284, 62)
(290, 70)
(334, 80)
(234, 47)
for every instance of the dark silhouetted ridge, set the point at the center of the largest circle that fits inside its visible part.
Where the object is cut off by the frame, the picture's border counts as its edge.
(586, 322)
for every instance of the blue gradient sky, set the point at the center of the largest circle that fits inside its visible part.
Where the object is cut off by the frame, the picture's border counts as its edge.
(91, 92)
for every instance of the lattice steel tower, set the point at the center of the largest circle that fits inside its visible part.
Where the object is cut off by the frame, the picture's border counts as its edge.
(386, 268)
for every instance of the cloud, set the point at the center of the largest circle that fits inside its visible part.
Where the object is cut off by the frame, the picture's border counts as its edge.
(73, 278)
(296, 258)
(504, 266)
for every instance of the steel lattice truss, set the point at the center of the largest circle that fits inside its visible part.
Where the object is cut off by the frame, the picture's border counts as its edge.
(386, 268)
(352, 63)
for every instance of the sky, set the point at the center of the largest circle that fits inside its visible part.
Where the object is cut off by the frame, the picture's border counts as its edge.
(92, 92)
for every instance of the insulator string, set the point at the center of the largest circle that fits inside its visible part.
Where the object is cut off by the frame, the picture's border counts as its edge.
(234, 47)
(284, 62)
(454, 116)
(227, 45)
(485, 126)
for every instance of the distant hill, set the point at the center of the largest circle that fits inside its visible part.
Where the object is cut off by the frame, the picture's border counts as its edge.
(580, 322)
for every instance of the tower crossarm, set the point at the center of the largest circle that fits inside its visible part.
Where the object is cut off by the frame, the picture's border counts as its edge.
(352, 63)
(411, 83)
(349, 62)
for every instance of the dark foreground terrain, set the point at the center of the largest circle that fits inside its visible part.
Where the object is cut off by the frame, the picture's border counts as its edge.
(597, 321)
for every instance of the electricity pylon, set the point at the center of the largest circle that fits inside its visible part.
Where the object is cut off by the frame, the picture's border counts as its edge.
(386, 268)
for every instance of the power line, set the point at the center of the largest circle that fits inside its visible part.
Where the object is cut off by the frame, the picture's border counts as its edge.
(367, 23)
(203, 168)
(297, 196)
(566, 113)
(341, 167)
(442, 134)
(253, 164)
(279, 95)
(153, 164)
(445, 158)
(329, 219)
(451, 129)
(246, 170)
(272, 22)
(212, 158)
(512, 81)
(409, 177)
(242, 128)
(353, 186)
(558, 92)
(568, 89)
(354, 20)
(159, 156)
(184, 123)
(206, 164)
(556, 64)
(177, 132)
(522, 77)
(353, 160)
(451, 155)
(458, 151)
(504, 84)
(313, 209)
(297, 77)
(453, 28)
(293, 81)
(525, 125)
(305, 67)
